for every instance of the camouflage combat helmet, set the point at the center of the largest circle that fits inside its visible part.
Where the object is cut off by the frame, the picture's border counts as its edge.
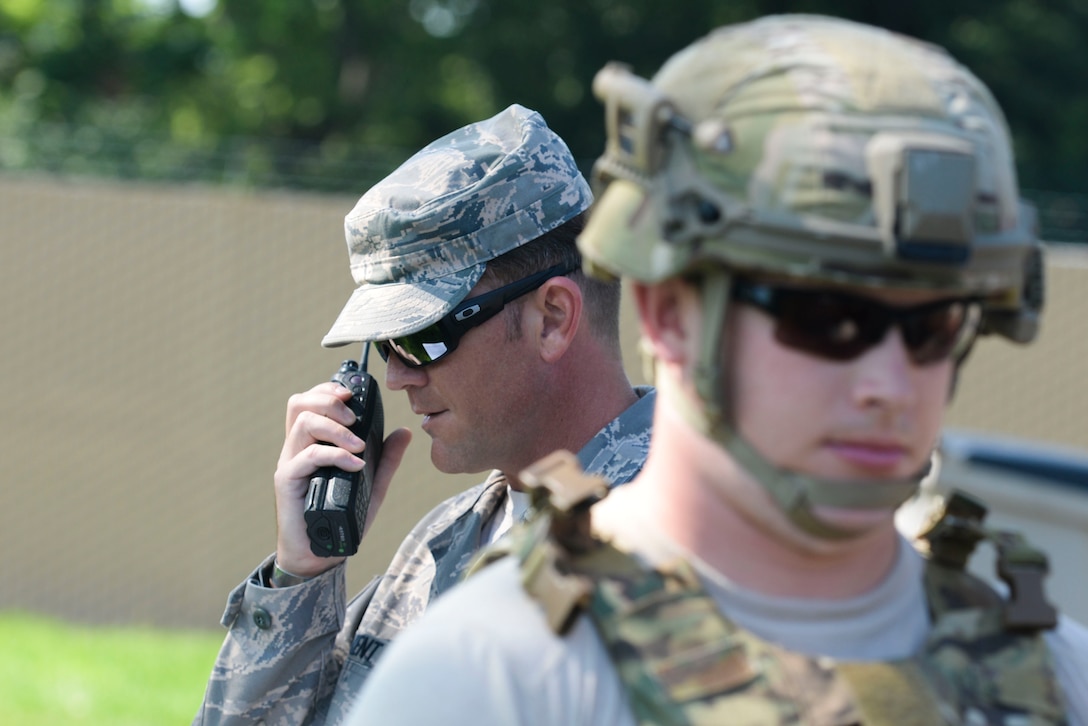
(820, 149)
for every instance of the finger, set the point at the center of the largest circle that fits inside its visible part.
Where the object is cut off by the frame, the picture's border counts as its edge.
(311, 427)
(293, 474)
(327, 399)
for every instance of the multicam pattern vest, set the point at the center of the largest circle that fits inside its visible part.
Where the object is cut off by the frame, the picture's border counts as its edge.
(684, 662)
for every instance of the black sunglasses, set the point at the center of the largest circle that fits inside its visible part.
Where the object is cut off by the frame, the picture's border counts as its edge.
(440, 339)
(839, 326)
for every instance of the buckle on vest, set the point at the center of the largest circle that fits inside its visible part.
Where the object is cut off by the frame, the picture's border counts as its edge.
(1023, 568)
(952, 540)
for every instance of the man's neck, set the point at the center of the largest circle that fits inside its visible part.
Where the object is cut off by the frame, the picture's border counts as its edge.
(707, 505)
(584, 404)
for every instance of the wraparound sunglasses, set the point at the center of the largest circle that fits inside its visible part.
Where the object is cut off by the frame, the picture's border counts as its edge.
(436, 341)
(839, 326)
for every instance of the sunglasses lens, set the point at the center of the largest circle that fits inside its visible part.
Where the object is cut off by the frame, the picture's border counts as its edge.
(825, 324)
(417, 349)
(937, 332)
(841, 327)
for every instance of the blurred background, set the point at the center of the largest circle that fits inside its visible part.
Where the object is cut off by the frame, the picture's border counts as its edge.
(173, 180)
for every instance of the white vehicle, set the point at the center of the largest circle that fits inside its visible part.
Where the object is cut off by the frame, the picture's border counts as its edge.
(1037, 489)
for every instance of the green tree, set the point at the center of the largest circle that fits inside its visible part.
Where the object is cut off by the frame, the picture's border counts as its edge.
(330, 94)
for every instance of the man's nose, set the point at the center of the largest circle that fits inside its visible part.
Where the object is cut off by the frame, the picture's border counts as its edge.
(399, 376)
(886, 373)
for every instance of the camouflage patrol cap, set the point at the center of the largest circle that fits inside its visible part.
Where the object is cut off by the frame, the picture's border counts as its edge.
(420, 239)
(817, 148)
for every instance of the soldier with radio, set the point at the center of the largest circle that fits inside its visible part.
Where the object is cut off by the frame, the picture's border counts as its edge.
(470, 285)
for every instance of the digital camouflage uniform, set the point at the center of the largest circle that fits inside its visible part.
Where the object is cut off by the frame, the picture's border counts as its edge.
(418, 242)
(295, 656)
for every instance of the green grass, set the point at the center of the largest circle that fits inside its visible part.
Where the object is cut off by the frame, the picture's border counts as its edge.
(56, 673)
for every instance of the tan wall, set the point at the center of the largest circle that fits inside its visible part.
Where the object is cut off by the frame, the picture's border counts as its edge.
(1041, 390)
(151, 337)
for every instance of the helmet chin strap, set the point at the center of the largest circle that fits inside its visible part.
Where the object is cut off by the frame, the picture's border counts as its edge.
(796, 494)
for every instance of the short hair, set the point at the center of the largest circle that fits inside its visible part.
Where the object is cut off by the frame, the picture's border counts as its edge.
(559, 247)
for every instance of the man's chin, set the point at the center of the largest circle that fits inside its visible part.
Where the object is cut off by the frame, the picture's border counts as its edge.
(448, 462)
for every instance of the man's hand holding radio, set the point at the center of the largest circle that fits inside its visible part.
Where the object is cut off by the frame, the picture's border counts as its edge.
(318, 435)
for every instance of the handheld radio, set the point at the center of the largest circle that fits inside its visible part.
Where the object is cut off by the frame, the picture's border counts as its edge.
(337, 501)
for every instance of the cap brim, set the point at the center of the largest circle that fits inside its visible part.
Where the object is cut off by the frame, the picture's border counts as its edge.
(380, 312)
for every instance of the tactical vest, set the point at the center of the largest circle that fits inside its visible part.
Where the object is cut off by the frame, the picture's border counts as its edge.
(683, 662)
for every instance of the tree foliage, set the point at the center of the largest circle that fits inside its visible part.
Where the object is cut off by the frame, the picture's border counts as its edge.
(330, 94)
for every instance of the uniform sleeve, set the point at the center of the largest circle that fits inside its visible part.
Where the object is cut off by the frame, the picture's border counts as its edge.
(1068, 645)
(276, 663)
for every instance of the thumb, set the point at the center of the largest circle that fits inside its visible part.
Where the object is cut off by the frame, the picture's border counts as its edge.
(393, 449)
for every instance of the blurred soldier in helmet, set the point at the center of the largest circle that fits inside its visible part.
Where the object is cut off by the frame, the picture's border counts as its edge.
(818, 218)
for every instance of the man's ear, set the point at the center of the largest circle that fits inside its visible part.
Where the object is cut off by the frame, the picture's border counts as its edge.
(666, 312)
(559, 305)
